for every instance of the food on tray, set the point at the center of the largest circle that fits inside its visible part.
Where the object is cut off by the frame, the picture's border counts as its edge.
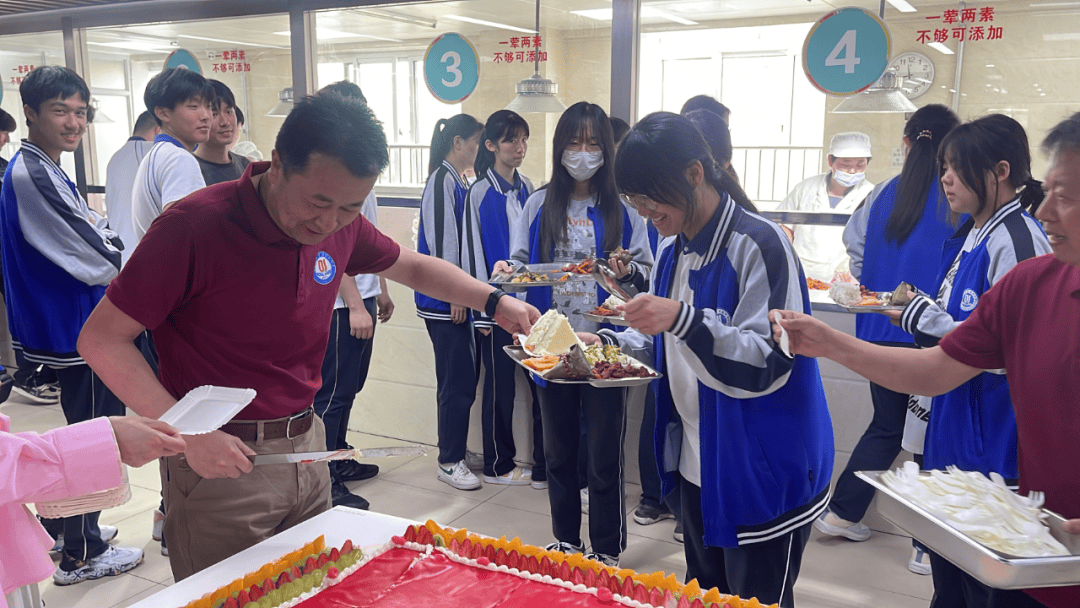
(845, 294)
(609, 353)
(541, 364)
(432, 566)
(615, 371)
(899, 296)
(600, 311)
(529, 277)
(816, 284)
(583, 267)
(551, 335)
(983, 509)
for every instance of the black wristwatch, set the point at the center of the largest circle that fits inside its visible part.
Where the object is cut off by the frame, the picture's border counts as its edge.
(493, 302)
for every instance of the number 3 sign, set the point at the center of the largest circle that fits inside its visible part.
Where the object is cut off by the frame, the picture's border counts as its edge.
(451, 68)
(846, 51)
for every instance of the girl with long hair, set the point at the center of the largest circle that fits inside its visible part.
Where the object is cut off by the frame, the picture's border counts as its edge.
(576, 216)
(985, 168)
(896, 235)
(454, 145)
(495, 203)
(735, 416)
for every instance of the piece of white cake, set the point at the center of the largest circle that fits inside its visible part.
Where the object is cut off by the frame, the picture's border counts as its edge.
(551, 335)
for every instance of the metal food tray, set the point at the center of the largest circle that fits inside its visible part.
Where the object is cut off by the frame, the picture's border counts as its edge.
(553, 271)
(881, 295)
(619, 320)
(991, 567)
(518, 354)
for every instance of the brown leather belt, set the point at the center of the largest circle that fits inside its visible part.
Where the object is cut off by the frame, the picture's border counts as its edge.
(282, 428)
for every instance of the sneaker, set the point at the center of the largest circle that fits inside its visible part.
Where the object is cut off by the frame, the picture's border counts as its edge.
(677, 534)
(474, 460)
(115, 560)
(832, 525)
(585, 500)
(350, 470)
(516, 477)
(612, 561)
(38, 395)
(340, 496)
(648, 515)
(567, 548)
(108, 533)
(164, 550)
(539, 484)
(459, 476)
(159, 524)
(919, 562)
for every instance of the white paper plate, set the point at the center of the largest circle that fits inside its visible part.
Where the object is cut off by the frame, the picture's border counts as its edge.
(207, 408)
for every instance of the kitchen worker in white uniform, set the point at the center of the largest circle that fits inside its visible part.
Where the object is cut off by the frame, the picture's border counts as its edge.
(840, 190)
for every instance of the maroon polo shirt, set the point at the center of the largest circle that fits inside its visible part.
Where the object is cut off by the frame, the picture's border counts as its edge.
(233, 301)
(1029, 324)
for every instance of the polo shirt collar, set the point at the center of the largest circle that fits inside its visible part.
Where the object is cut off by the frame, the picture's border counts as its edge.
(995, 220)
(457, 178)
(254, 210)
(169, 138)
(707, 241)
(501, 185)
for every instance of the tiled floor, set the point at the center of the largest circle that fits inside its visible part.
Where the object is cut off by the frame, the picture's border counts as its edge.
(835, 573)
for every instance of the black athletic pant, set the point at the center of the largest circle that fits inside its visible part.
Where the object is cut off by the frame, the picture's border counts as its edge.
(455, 375)
(765, 570)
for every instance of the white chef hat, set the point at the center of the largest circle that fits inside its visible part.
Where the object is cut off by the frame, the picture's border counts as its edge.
(850, 145)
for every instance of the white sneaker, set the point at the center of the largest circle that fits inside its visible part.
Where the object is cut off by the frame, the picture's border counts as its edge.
(539, 485)
(919, 562)
(159, 523)
(459, 476)
(474, 460)
(585, 500)
(115, 560)
(517, 477)
(832, 525)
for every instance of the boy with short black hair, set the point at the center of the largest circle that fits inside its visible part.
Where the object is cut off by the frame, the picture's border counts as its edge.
(58, 256)
(217, 163)
(180, 101)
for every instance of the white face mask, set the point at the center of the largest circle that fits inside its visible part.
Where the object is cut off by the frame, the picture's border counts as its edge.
(582, 165)
(848, 180)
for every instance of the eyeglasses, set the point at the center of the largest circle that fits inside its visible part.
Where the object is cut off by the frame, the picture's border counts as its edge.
(638, 201)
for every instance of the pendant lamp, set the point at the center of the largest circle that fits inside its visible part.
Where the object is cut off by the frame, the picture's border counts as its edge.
(884, 96)
(536, 93)
(284, 104)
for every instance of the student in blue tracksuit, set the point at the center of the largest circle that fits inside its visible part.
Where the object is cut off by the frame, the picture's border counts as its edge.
(576, 216)
(496, 201)
(896, 235)
(442, 208)
(742, 428)
(986, 175)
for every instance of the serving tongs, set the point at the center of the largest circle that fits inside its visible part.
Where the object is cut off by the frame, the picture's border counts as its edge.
(605, 275)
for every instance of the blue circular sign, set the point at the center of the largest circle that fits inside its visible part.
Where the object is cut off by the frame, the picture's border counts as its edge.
(846, 51)
(183, 58)
(451, 68)
(325, 269)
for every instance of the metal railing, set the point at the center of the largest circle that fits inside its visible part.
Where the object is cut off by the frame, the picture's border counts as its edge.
(767, 174)
(408, 166)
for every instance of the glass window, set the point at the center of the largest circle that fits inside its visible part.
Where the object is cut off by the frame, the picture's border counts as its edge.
(18, 56)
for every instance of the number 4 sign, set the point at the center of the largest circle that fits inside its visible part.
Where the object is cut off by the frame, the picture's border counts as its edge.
(451, 68)
(846, 51)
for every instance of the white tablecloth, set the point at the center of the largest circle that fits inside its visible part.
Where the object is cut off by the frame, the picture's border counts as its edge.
(337, 525)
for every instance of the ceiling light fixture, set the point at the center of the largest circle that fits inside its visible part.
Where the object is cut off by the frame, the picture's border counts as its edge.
(941, 48)
(284, 104)
(902, 5)
(490, 24)
(647, 12)
(410, 19)
(323, 34)
(536, 93)
(136, 45)
(884, 96)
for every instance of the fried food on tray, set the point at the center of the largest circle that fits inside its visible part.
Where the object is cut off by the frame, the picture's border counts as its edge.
(541, 364)
(583, 267)
(529, 277)
(816, 284)
(600, 311)
(613, 371)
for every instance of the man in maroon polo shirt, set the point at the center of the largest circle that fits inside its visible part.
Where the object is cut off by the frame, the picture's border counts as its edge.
(236, 282)
(1028, 324)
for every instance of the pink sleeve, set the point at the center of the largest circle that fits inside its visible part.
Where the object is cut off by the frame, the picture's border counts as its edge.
(70, 461)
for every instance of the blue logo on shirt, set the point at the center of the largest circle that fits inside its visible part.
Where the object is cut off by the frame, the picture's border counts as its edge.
(724, 316)
(324, 268)
(969, 300)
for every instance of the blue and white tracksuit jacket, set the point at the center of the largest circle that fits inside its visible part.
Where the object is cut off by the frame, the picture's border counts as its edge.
(493, 205)
(973, 426)
(525, 247)
(765, 434)
(442, 208)
(881, 265)
(58, 257)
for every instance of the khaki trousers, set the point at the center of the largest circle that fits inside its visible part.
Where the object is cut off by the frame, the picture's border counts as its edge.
(209, 520)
